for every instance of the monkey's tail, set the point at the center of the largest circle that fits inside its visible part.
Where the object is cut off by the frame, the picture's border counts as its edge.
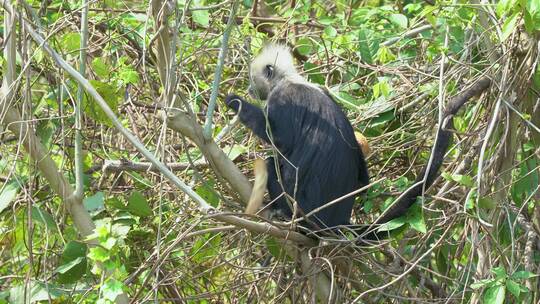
(424, 180)
(259, 186)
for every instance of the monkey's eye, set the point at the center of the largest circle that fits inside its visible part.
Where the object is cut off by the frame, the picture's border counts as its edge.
(269, 71)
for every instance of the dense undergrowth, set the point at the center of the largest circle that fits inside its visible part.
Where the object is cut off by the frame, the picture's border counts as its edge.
(392, 65)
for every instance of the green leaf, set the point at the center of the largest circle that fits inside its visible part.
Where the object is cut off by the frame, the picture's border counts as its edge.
(529, 22)
(522, 275)
(382, 118)
(464, 180)
(35, 293)
(138, 205)
(415, 218)
(73, 262)
(8, 194)
(205, 247)
(304, 46)
(201, 17)
(499, 272)
(385, 55)
(363, 46)
(399, 20)
(43, 217)
(393, 224)
(235, 150)
(71, 42)
(326, 20)
(101, 69)
(111, 289)
(481, 283)
(207, 192)
(330, 31)
(110, 94)
(94, 202)
(275, 248)
(45, 131)
(487, 203)
(508, 26)
(128, 75)
(514, 288)
(495, 295)
(314, 73)
(68, 266)
(99, 254)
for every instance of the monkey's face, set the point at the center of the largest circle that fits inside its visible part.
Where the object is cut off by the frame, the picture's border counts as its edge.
(262, 80)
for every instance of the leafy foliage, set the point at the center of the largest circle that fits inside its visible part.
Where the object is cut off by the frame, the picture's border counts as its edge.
(391, 65)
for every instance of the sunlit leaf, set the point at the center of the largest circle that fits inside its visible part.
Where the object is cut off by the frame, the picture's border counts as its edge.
(495, 295)
(138, 205)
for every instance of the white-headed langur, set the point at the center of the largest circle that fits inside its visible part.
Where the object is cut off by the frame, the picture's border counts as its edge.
(318, 157)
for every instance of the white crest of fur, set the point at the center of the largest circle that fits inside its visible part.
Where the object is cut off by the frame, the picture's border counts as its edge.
(277, 55)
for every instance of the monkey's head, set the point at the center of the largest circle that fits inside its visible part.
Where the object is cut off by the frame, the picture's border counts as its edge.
(271, 66)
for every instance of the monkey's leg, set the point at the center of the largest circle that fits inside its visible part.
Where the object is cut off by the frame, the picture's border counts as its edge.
(259, 186)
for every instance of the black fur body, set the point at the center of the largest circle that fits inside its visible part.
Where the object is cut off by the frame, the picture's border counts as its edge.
(317, 156)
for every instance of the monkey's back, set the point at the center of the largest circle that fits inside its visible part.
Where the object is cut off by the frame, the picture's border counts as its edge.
(319, 157)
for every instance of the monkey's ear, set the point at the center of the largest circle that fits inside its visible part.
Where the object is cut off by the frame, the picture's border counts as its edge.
(269, 71)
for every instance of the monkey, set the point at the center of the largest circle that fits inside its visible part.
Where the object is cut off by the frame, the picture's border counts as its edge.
(318, 157)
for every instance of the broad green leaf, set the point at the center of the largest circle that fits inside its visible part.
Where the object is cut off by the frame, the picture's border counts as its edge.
(513, 287)
(304, 46)
(487, 203)
(36, 293)
(495, 295)
(201, 17)
(326, 20)
(382, 118)
(275, 248)
(73, 262)
(45, 131)
(101, 69)
(138, 205)
(128, 75)
(393, 224)
(499, 272)
(363, 46)
(8, 193)
(399, 20)
(482, 283)
(110, 94)
(330, 31)
(235, 150)
(111, 289)
(509, 26)
(314, 73)
(521, 275)
(529, 22)
(99, 254)
(43, 217)
(207, 192)
(206, 247)
(385, 55)
(94, 202)
(415, 218)
(64, 268)
(71, 42)
(464, 180)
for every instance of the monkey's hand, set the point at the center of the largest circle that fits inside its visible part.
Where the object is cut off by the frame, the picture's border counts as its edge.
(233, 101)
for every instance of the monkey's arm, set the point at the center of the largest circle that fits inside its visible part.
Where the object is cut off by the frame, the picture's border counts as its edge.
(250, 115)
